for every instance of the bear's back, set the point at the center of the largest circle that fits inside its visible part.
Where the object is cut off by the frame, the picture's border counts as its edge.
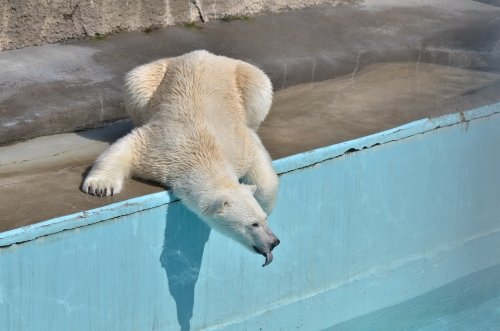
(196, 103)
(195, 84)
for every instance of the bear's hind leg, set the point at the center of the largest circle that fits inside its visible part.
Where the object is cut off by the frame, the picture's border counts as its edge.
(262, 174)
(113, 166)
(256, 93)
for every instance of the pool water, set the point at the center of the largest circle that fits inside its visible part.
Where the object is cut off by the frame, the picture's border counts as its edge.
(471, 303)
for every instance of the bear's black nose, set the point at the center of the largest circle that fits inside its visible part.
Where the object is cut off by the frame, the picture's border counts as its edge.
(275, 243)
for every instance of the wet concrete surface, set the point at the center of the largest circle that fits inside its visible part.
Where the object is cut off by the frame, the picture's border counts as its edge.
(39, 179)
(377, 98)
(77, 85)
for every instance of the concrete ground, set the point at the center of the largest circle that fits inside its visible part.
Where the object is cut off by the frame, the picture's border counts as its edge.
(340, 73)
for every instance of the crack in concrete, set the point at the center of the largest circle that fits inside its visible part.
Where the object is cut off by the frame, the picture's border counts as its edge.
(201, 15)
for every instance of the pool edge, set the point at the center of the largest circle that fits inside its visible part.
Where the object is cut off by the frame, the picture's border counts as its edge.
(283, 165)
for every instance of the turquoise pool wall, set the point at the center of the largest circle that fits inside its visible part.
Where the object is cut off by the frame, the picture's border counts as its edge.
(364, 225)
(469, 303)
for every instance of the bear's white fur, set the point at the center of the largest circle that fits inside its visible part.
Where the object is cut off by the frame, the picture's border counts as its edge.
(196, 118)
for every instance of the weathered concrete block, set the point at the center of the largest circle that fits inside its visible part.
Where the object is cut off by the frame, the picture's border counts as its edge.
(35, 22)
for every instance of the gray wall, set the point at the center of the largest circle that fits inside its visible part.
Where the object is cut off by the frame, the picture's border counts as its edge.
(34, 22)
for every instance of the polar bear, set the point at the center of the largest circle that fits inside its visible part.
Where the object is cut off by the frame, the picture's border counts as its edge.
(196, 117)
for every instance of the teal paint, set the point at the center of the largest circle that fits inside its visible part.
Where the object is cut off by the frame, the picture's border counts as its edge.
(84, 218)
(469, 303)
(415, 211)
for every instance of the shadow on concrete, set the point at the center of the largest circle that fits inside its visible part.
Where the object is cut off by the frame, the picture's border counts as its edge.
(109, 133)
(185, 238)
(490, 2)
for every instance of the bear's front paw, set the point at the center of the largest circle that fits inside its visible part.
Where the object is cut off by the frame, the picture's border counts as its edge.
(101, 185)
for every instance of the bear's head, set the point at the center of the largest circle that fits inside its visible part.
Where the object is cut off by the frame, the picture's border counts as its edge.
(236, 213)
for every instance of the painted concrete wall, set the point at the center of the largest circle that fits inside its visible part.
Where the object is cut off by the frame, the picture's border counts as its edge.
(365, 224)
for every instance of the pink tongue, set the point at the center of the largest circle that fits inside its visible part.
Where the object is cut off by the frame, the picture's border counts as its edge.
(269, 258)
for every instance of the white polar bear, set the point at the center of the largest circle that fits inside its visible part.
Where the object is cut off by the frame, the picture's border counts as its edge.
(196, 118)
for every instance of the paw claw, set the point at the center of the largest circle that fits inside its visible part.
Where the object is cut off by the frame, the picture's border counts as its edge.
(101, 185)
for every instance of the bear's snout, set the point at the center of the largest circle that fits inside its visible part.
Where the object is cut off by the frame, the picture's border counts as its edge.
(266, 250)
(275, 243)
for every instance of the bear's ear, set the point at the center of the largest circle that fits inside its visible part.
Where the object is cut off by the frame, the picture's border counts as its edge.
(251, 188)
(217, 206)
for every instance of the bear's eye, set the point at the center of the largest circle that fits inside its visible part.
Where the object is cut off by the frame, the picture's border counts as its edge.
(255, 225)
